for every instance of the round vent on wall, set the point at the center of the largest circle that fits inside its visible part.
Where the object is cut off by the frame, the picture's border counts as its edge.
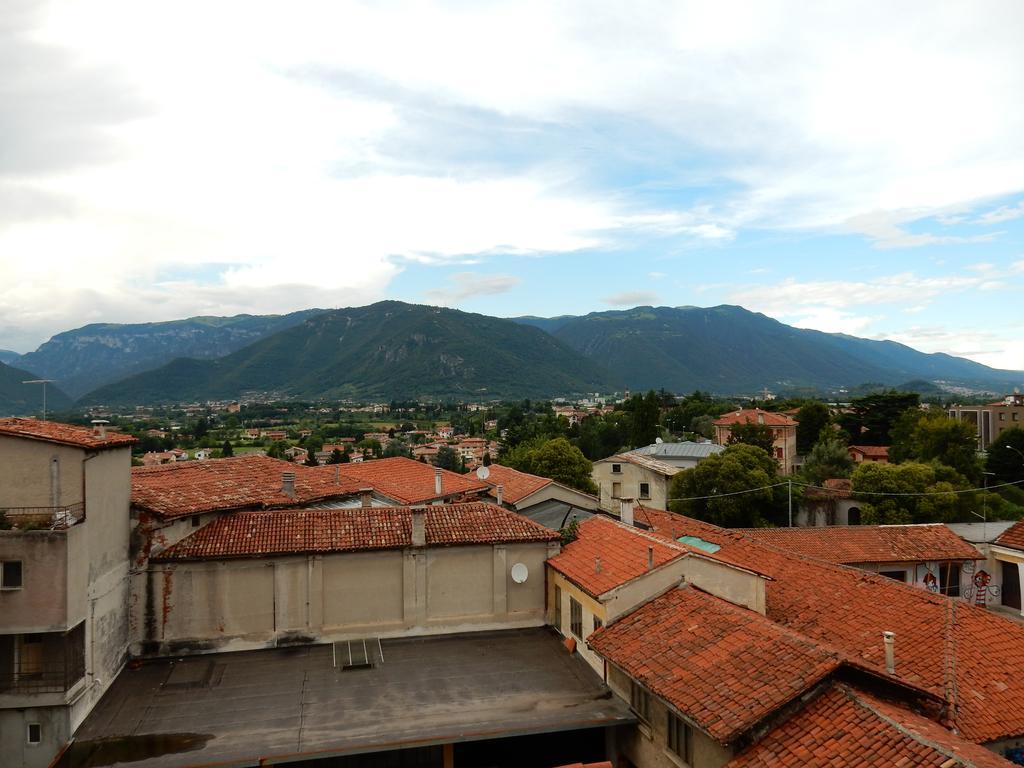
(519, 573)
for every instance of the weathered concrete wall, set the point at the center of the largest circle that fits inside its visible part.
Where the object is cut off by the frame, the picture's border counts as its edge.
(629, 479)
(34, 473)
(647, 743)
(255, 603)
(722, 580)
(16, 752)
(626, 598)
(41, 604)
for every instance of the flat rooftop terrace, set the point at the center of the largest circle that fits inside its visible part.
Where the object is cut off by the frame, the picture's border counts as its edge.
(290, 704)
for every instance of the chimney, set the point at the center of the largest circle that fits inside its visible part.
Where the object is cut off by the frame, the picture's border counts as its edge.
(500, 492)
(437, 481)
(889, 638)
(288, 484)
(337, 474)
(626, 511)
(419, 527)
(366, 497)
(99, 428)
(650, 558)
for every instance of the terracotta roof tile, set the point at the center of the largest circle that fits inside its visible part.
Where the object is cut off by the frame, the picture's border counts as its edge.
(405, 480)
(220, 485)
(871, 543)
(294, 531)
(956, 651)
(725, 668)
(515, 485)
(1012, 537)
(755, 416)
(64, 434)
(646, 462)
(872, 451)
(621, 550)
(845, 726)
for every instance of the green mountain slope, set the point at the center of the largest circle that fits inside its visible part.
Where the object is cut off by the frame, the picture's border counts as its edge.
(17, 399)
(88, 357)
(729, 349)
(8, 356)
(385, 350)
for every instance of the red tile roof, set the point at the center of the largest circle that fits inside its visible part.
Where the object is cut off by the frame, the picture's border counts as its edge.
(755, 416)
(845, 726)
(853, 544)
(647, 462)
(221, 485)
(958, 652)
(725, 668)
(515, 485)
(64, 434)
(405, 480)
(621, 550)
(872, 451)
(1012, 537)
(294, 531)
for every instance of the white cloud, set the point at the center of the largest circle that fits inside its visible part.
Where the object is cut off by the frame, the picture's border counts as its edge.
(884, 229)
(631, 298)
(1003, 213)
(470, 284)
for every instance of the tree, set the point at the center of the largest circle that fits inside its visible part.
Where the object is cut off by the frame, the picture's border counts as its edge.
(811, 419)
(871, 417)
(226, 449)
(311, 459)
(929, 437)
(827, 459)
(557, 459)
(751, 433)
(336, 457)
(921, 493)
(487, 458)
(740, 467)
(277, 449)
(646, 410)
(1004, 462)
(447, 458)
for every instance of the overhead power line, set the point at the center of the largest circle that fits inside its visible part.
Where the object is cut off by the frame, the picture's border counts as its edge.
(856, 493)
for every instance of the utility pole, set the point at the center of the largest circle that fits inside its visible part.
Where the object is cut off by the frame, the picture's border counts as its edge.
(789, 482)
(44, 382)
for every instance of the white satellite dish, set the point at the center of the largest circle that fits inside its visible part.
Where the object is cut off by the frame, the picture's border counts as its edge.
(483, 472)
(658, 440)
(519, 573)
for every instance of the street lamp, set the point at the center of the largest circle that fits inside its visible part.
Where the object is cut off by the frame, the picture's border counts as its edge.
(1018, 451)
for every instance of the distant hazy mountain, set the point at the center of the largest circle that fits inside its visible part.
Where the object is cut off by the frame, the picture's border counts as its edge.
(7, 356)
(385, 350)
(729, 349)
(17, 399)
(88, 357)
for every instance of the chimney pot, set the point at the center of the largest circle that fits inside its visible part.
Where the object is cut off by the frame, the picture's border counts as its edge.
(366, 497)
(419, 527)
(650, 558)
(889, 640)
(288, 484)
(500, 493)
(437, 481)
(99, 428)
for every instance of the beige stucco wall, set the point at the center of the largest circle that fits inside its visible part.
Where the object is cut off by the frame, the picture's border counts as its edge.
(260, 602)
(722, 580)
(630, 478)
(41, 604)
(558, 493)
(646, 744)
(591, 608)
(34, 473)
(14, 748)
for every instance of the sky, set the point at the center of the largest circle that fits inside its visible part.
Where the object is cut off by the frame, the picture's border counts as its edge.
(850, 167)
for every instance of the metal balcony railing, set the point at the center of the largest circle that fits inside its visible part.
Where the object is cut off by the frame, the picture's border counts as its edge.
(40, 677)
(41, 518)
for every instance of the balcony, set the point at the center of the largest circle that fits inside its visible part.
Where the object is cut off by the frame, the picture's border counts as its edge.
(41, 663)
(41, 518)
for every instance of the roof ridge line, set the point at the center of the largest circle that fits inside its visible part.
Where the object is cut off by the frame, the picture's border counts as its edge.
(906, 731)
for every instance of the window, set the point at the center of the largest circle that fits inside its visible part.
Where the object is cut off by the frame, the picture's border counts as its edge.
(616, 469)
(679, 737)
(895, 575)
(640, 702)
(949, 579)
(195, 521)
(597, 624)
(34, 733)
(1013, 416)
(616, 490)
(10, 574)
(1002, 417)
(575, 618)
(558, 608)
(645, 490)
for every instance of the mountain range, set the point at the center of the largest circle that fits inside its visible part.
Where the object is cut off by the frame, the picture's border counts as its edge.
(397, 350)
(18, 398)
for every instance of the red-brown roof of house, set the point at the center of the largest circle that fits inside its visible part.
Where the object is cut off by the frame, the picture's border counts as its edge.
(871, 543)
(872, 451)
(1012, 537)
(754, 416)
(621, 550)
(845, 726)
(833, 488)
(725, 668)
(958, 652)
(515, 485)
(64, 434)
(405, 480)
(294, 531)
(241, 482)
